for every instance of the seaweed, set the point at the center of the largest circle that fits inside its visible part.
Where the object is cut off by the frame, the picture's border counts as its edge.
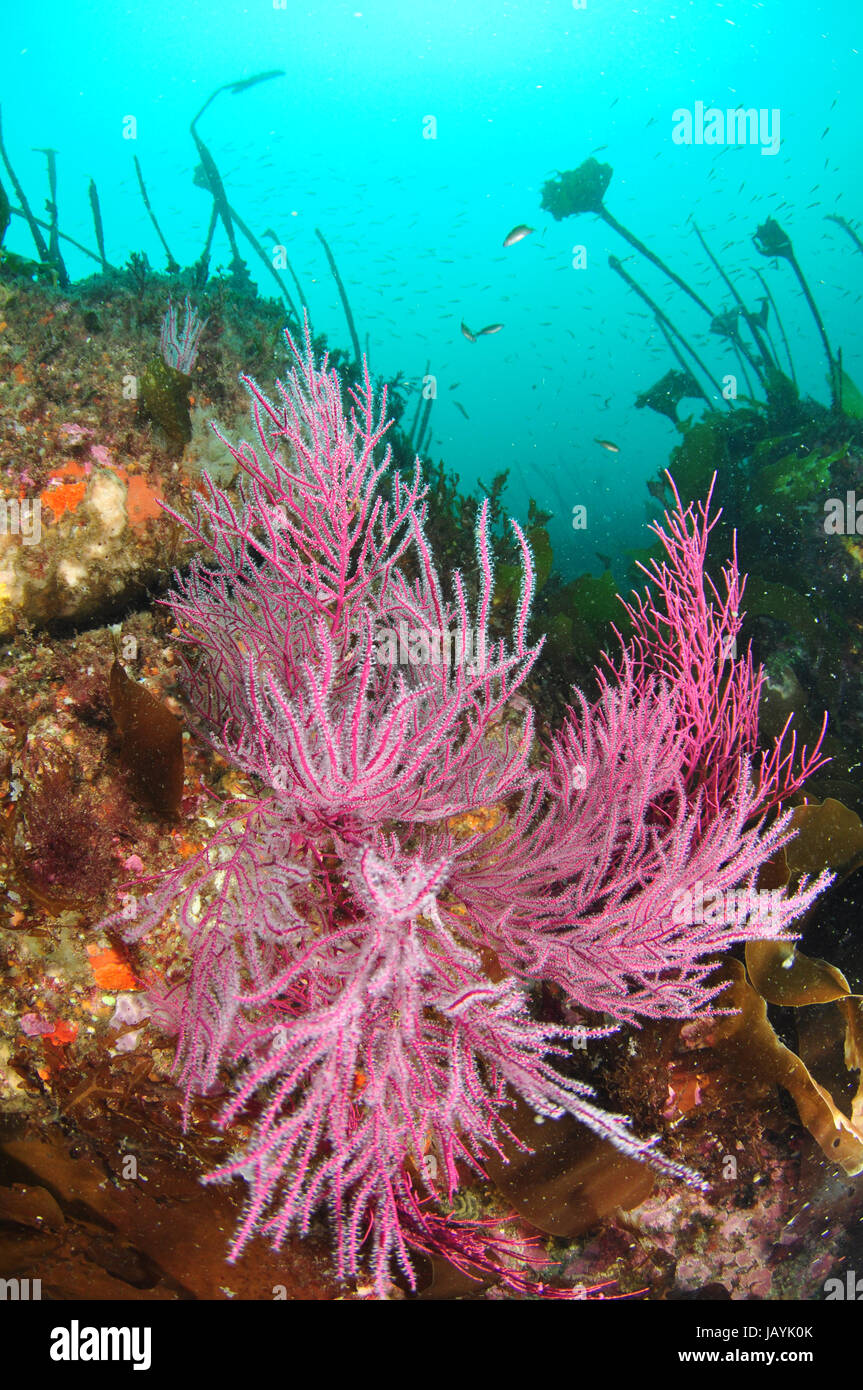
(172, 264)
(164, 399)
(666, 394)
(771, 241)
(345, 304)
(151, 743)
(582, 190)
(54, 256)
(5, 212)
(60, 849)
(97, 224)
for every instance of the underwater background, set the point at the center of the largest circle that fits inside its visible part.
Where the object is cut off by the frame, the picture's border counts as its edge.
(581, 243)
(517, 92)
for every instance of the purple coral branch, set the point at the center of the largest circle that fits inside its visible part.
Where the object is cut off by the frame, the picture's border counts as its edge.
(341, 926)
(685, 633)
(179, 347)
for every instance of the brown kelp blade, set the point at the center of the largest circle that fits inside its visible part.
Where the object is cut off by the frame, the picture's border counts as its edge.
(571, 1180)
(747, 1045)
(151, 742)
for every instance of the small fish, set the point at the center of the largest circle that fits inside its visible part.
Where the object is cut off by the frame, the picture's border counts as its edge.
(603, 559)
(458, 405)
(455, 386)
(607, 444)
(490, 328)
(517, 234)
(825, 131)
(471, 337)
(599, 149)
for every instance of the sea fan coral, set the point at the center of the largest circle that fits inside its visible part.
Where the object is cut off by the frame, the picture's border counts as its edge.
(179, 347)
(367, 934)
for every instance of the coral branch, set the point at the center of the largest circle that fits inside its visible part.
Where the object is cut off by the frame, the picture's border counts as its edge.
(342, 926)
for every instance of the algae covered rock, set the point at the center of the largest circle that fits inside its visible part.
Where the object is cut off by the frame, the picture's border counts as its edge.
(90, 542)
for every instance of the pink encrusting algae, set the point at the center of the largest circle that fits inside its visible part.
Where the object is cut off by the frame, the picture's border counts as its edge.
(341, 928)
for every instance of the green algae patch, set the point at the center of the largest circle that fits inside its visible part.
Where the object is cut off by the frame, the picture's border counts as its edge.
(164, 396)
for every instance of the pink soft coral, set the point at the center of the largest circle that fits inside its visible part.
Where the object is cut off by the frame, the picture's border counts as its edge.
(369, 966)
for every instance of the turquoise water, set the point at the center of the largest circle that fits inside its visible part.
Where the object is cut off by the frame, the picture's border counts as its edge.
(516, 92)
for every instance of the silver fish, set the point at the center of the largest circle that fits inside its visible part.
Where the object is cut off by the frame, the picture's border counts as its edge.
(517, 234)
